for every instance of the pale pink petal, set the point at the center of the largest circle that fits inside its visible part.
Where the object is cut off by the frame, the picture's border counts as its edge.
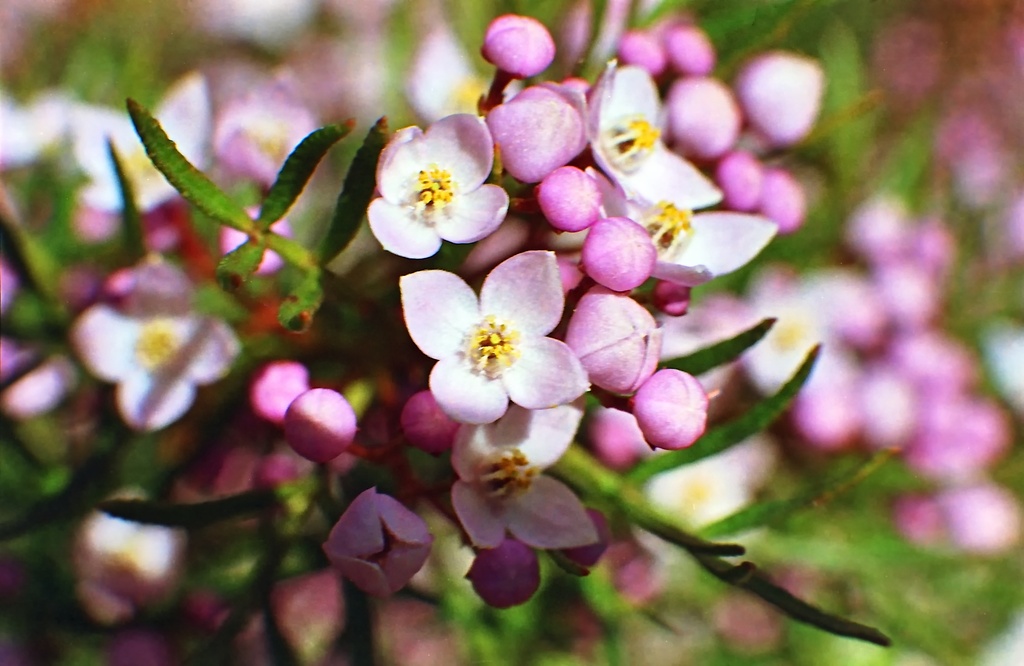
(472, 444)
(625, 92)
(464, 395)
(159, 289)
(462, 144)
(723, 242)
(403, 524)
(186, 116)
(400, 231)
(150, 402)
(546, 374)
(404, 560)
(690, 276)
(440, 310)
(90, 128)
(398, 166)
(667, 177)
(549, 432)
(549, 515)
(210, 349)
(482, 520)
(367, 576)
(473, 215)
(526, 291)
(105, 341)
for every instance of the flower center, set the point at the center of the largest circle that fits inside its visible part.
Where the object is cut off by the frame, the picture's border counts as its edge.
(140, 171)
(157, 343)
(670, 227)
(492, 348)
(435, 189)
(630, 142)
(792, 333)
(508, 474)
(271, 138)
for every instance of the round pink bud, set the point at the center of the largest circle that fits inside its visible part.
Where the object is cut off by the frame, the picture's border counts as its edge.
(741, 177)
(689, 50)
(783, 200)
(587, 556)
(276, 469)
(505, 576)
(320, 424)
(618, 253)
(426, 426)
(518, 45)
(569, 273)
(275, 386)
(671, 298)
(570, 199)
(983, 518)
(671, 409)
(703, 117)
(643, 49)
(616, 339)
(616, 438)
(919, 519)
(781, 95)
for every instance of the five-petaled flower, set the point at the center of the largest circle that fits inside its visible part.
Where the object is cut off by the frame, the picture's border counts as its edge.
(495, 348)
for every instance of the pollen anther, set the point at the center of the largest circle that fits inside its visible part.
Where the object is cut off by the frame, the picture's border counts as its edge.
(509, 474)
(492, 348)
(669, 226)
(631, 142)
(434, 189)
(157, 343)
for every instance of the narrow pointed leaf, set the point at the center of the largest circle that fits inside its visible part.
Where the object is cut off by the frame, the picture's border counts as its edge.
(360, 183)
(298, 169)
(237, 267)
(721, 352)
(776, 511)
(192, 183)
(190, 516)
(720, 438)
(131, 222)
(297, 310)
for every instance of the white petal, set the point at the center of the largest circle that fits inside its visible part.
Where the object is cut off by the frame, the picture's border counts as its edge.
(105, 341)
(550, 515)
(464, 395)
(665, 176)
(440, 310)
(461, 144)
(474, 215)
(150, 402)
(482, 520)
(526, 291)
(550, 432)
(398, 166)
(186, 116)
(723, 242)
(546, 374)
(400, 231)
(210, 349)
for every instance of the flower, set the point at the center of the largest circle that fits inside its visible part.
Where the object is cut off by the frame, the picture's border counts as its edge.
(495, 348)
(378, 544)
(432, 188)
(505, 576)
(156, 348)
(500, 486)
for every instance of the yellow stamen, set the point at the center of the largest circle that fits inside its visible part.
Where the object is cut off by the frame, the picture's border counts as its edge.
(631, 141)
(670, 227)
(157, 344)
(492, 348)
(508, 475)
(435, 189)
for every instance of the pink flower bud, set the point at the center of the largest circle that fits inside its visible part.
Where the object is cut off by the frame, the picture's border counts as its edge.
(426, 426)
(378, 544)
(643, 49)
(505, 576)
(275, 386)
(539, 130)
(617, 340)
(703, 117)
(616, 438)
(618, 253)
(781, 95)
(689, 50)
(569, 273)
(783, 200)
(518, 45)
(671, 409)
(983, 518)
(8, 285)
(671, 298)
(741, 177)
(276, 469)
(918, 519)
(570, 199)
(587, 556)
(320, 424)
(130, 647)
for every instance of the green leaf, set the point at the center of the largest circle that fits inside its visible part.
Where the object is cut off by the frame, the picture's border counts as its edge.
(190, 516)
(722, 437)
(776, 511)
(360, 183)
(849, 142)
(297, 310)
(298, 169)
(131, 223)
(236, 267)
(721, 352)
(188, 180)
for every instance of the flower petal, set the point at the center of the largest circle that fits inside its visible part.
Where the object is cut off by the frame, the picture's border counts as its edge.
(546, 374)
(400, 231)
(526, 291)
(464, 395)
(473, 215)
(403, 524)
(623, 92)
(367, 576)
(210, 349)
(665, 176)
(186, 116)
(549, 432)
(689, 276)
(358, 532)
(105, 341)
(462, 144)
(482, 520)
(440, 310)
(723, 242)
(550, 515)
(150, 402)
(398, 165)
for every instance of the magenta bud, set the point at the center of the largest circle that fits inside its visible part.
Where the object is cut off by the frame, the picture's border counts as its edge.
(587, 556)
(618, 253)
(643, 49)
(703, 117)
(518, 45)
(783, 200)
(275, 386)
(320, 424)
(741, 177)
(616, 339)
(426, 426)
(671, 409)
(616, 438)
(569, 272)
(983, 518)
(276, 469)
(689, 50)
(671, 298)
(378, 543)
(132, 647)
(539, 130)
(781, 95)
(570, 199)
(505, 576)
